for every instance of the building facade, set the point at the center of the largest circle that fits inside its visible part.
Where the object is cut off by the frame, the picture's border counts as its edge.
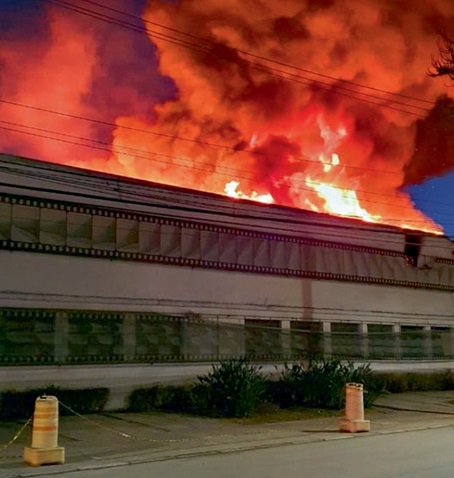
(98, 268)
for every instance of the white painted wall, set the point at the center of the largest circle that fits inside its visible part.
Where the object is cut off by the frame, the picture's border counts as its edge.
(35, 280)
(123, 379)
(380, 303)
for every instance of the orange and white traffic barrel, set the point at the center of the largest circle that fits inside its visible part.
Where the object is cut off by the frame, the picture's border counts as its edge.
(44, 449)
(353, 419)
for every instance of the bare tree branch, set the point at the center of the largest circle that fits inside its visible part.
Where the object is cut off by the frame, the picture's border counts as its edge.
(444, 65)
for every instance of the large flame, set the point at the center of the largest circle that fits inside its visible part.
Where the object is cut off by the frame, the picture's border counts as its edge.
(343, 202)
(212, 103)
(231, 189)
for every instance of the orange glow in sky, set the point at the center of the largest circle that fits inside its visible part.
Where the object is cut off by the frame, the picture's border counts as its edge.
(230, 115)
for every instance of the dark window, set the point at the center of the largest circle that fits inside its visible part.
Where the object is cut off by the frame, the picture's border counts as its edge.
(412, 247)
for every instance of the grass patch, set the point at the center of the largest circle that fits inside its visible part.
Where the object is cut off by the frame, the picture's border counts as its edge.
(268, 413)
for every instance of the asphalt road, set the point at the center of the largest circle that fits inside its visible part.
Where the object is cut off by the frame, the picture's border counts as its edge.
(419, 454)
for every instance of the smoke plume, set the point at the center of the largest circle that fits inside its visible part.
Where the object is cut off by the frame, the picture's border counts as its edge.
(321, 105)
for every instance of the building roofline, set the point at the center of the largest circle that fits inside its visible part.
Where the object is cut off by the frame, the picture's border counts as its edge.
(370, 226)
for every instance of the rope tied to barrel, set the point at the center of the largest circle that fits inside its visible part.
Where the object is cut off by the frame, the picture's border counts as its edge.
(17, 435)
(123, 434)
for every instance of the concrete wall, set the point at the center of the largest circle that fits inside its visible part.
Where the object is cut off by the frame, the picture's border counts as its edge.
(123, 379)
(35, 280)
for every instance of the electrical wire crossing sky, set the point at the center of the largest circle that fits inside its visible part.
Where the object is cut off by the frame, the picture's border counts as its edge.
(324, 106)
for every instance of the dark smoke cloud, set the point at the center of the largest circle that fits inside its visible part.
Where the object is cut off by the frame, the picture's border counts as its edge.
(434, 144)
(23, 20)
(58, 59)
(304, 141)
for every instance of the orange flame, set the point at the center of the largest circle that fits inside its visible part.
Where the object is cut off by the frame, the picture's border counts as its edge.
(231, 190)
(207, 118)
(342, 202)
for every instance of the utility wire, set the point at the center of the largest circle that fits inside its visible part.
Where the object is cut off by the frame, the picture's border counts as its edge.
(120, 23)
(384, 314)
(236, 50)
(68, 5)
(103, 146)
(272, 70)
(287, 218)
(179, 138)
(271, 60)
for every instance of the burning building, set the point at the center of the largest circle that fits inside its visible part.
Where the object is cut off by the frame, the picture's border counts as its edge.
(310, 109)
(98, 268)
(324, 106)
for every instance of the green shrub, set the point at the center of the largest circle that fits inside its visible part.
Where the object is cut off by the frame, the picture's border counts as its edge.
(175, 398)
(321, 384)
(280, 393)
(21, 404)
(446, 380)
(372, 388)
(292, 386)
(144, 399)
(178, 398)
(233, 389)
(415, 381)
(392, 382)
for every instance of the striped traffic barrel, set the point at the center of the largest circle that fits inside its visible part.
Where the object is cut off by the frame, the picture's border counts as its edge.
(354, 401)
(45, 423)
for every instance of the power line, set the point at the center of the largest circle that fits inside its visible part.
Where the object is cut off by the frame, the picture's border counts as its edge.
(271, 60)
(229, 175)
(174, 137)
(272, 70)
(328, 238)
(277, 314)
(285, 215)
(180, 138)
(120, 23)
(68, 5)
(233, 171)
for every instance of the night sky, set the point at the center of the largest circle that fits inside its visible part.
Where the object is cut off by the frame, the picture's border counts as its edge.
(435, 197)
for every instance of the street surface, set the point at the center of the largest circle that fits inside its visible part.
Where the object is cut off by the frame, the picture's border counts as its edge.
(417, 454)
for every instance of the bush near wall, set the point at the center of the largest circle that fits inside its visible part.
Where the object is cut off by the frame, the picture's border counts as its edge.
(321, 384)
(414, 382)
(172, 398)
(21, 404)
(234, 388)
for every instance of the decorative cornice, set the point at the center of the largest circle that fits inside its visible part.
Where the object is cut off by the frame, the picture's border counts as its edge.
(197, 225)
(441, 260)
(204, 264)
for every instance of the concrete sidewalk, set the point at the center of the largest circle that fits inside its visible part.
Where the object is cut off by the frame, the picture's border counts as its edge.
(119, 439)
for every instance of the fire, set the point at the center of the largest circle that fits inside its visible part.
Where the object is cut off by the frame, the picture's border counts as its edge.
(219, 106)
(338, 200)
(231, 190)
(342, 202)
(329, 164)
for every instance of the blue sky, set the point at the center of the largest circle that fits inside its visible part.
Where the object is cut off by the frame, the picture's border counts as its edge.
(435, 198)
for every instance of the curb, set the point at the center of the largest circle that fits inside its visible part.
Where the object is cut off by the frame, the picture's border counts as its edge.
(403, 409)
(162, 455)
